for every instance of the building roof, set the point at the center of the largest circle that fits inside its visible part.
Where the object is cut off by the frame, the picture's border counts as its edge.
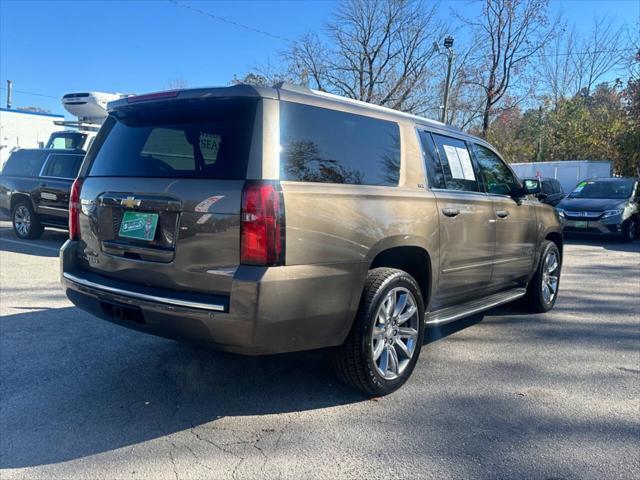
(29, 112)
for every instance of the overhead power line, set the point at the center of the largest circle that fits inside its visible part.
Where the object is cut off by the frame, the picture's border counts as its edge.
(31, 93)
(286, 39)
(230, 22)
(588, 52)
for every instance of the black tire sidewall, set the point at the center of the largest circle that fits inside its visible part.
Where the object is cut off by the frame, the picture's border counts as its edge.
(380, 384)
(629, 230)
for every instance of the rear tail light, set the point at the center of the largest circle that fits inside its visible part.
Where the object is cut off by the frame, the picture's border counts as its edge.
(262, 224)
(74, 209)
(153, 96)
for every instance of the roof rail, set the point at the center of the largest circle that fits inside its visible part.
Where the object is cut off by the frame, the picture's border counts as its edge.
(339, 98)
(82, 126)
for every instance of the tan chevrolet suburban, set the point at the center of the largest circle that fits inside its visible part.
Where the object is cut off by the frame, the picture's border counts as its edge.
(265, 220)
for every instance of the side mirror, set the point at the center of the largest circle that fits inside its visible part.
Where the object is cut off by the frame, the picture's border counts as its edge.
(531, 186)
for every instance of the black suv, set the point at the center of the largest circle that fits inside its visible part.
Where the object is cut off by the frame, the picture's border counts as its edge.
(551, 191)
(35, 186)
(603, 206)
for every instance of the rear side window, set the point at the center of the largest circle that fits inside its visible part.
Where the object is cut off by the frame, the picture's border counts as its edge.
(456, 164)
(24, 163)
(194, 139)
(434, 169)
(548, 187)
(322, 145)
(62, 166)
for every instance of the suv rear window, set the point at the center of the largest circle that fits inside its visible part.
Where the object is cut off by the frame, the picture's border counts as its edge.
(328, 146)
(24, 163)
(200, 138)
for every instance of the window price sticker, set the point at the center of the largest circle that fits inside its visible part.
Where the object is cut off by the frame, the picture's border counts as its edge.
(459, 163)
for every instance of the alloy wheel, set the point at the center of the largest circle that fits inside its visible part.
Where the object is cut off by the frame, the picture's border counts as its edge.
(22, 220)
(395, 333)
(550, 273)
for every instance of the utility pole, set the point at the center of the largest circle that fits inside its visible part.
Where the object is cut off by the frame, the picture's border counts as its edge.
(9, 93)
(539, 154)
(448, 44)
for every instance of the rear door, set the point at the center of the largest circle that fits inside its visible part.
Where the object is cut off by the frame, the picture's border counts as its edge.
(467, 224)
(515, 221)
(54, 183)
(19, 174)
(161, 195)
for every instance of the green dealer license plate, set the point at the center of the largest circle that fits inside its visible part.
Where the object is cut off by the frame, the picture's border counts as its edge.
(140, 226)
(581, 224)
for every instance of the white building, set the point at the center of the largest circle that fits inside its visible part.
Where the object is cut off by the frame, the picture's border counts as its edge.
(567, 172)
(25, 129)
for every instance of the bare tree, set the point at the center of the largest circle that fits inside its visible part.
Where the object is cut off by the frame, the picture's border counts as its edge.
(558, 66)
(508, 36)
(308, 62)
(376, 51)
(599, 54)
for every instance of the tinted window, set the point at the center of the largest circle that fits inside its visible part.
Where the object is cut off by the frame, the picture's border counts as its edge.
(204, 139)
(66, 140)
(496, 175)
(456, 163)
(172, 146)
(24, 163)
(321, 145)
(547, 187)
(62, 166)
(431, 161)
(557, 187)
(614, 189)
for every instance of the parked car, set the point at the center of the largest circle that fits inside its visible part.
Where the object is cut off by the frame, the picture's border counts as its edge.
(567, 172)
(551, 191)
(266, 220)
(90, 109)
(35, 186)
(603, 206)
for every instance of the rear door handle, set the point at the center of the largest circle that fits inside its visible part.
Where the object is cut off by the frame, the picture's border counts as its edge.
(451, 212)
(502, 213)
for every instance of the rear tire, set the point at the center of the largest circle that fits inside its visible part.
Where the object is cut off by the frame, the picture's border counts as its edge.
(26, 223)
(384, 343)
(629, 230)
(542, 291)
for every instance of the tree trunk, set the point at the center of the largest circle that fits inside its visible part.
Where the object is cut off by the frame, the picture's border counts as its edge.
(485, 118)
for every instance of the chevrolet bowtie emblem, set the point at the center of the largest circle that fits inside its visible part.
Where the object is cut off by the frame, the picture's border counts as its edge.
(130, 202)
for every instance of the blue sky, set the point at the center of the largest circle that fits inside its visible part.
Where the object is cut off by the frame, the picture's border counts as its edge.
(55, 47)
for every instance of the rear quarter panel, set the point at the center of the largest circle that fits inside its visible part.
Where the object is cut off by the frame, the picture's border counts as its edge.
(11, 186)
(348, 225)
(547, 223)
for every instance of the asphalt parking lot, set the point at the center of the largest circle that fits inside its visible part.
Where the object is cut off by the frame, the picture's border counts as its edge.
(501, 395)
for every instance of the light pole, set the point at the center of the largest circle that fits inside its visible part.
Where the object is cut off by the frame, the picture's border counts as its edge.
(448, 44)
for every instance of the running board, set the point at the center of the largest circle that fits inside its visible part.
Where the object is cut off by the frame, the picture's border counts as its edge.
(451, 314)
